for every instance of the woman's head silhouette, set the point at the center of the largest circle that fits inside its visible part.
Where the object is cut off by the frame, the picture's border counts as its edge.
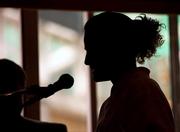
(114, 42)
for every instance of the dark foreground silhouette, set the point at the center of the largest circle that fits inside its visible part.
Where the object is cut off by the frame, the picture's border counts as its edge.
(12, 78)
(113, 44)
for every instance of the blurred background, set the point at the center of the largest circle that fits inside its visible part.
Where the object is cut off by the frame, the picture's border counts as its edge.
(61, 51)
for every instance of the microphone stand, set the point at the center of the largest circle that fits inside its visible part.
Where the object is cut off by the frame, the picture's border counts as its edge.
(31, 98)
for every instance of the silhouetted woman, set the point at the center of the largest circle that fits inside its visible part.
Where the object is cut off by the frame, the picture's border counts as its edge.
(113, 44)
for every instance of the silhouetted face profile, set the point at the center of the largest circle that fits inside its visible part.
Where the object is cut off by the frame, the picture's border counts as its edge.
(12, 78)
(107, 42)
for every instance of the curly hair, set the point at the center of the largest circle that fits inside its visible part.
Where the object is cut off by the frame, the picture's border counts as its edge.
(138, 38)
(149, 29)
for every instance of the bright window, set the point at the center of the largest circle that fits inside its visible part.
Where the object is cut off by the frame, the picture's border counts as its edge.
(61, 51)
(10, 35)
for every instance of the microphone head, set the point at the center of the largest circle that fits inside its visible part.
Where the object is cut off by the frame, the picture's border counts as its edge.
(65, 81)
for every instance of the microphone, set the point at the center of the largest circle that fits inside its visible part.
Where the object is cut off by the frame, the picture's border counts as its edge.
(36, 92)
(65, 81)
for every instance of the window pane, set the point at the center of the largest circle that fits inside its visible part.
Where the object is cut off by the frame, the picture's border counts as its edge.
(179, 31)
(61, 51)
(10, 35)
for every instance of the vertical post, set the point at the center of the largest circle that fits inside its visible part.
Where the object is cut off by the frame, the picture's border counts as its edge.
(174, 58)
(29, 22)
(93, 98)
(93, 101)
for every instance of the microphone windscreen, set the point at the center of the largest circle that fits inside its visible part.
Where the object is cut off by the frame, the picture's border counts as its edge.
(65, 81)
